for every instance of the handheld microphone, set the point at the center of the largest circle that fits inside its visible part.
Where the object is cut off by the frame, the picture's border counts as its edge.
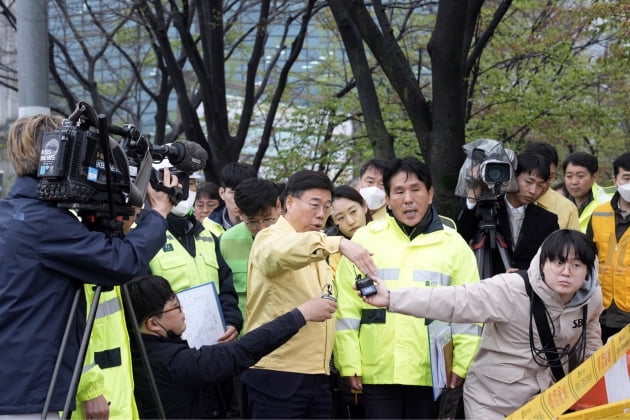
(187, 156)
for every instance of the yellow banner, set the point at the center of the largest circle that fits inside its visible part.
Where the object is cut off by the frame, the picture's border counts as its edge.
(563, 394)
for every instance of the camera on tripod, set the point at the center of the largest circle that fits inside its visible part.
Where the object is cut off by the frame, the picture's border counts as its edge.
(487, 172)
(82, 167)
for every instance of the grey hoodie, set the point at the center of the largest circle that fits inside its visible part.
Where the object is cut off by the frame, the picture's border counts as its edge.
(503, 375)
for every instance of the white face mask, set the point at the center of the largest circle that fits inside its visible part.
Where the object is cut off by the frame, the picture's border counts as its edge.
(374, 197)
(624, 192)
(183, 207)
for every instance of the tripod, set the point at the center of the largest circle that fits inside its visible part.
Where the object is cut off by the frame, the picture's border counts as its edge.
(487, 240)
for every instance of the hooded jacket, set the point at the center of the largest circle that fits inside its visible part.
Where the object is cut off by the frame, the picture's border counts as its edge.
(504, 375)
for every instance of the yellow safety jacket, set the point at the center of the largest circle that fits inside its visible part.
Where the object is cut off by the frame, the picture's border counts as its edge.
(175, 264)
(107, 369)
(387, 348)
(213, 227)
(614, 258)
(600, 196)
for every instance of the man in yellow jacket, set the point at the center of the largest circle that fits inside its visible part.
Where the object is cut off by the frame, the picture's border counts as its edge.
(287, 264)
(609, 230)
(384, 355)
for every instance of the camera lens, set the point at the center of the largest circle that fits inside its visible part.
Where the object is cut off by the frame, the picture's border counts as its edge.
(496, 172)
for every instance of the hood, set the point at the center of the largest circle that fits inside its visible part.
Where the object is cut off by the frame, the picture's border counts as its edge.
(580, 298)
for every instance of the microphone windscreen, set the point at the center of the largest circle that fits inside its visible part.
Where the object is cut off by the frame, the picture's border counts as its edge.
(192, 156)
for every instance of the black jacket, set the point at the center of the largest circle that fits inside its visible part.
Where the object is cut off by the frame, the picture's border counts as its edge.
(537, 225)
(183, 375)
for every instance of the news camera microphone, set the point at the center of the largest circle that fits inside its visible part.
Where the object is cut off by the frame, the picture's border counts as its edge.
(187, 156)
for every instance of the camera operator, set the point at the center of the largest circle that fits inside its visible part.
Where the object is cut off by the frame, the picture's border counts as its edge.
(522, 224)
(46, 255)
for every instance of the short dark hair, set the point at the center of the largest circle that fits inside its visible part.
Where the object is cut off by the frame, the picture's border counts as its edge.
(148, 295)
(306, 179)
(208, 189)
(378, 164)
(532, 163)
(581, 159)
(234, 173)
(255, 195)
(409, 165)
(543, 148)
(622, 161)
(561, 242)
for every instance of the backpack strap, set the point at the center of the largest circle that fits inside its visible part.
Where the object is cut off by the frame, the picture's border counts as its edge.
(542, 324)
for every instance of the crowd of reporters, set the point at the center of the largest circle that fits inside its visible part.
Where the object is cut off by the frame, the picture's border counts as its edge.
(299, 341)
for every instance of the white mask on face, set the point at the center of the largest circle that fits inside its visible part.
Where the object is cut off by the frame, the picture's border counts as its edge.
(374, 197)
(624, 192)
(183, 207)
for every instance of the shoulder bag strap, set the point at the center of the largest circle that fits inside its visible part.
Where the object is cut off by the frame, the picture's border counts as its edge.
(542, 324)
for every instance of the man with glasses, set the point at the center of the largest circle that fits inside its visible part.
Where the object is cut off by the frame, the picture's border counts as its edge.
(258, 207)
(183, 375)
(287, 265)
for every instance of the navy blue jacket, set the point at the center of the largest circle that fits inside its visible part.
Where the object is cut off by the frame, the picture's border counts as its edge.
(46, 255)
(183, 375)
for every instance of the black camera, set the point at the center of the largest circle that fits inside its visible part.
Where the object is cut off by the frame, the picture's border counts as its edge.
(365, 285)
(82, 167)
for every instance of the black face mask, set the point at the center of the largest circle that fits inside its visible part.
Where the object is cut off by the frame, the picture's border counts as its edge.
(170, 333)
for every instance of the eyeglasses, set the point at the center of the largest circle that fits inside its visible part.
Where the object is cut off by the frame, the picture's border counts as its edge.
(255, 224)
(328, 209)
(558, 266)
(178, 306)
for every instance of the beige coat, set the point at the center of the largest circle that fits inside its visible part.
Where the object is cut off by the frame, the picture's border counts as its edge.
(504, 375)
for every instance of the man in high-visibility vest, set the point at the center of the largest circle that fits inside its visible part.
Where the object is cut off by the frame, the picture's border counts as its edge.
(386, 356)
(609, 230)
(580, 174)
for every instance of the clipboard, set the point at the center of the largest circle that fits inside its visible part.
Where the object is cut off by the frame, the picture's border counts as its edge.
(440, 354)
(204, 316)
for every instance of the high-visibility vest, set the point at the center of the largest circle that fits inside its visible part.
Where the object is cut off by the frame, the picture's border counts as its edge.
(175, 264)
(614, 258)
(108, 370)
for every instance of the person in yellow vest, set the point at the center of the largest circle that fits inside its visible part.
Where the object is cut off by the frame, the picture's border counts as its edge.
(191, 257)
(287, 265)
(609, 230)
(580, 174)
(106, 388)
(551, 200)
(386, 356)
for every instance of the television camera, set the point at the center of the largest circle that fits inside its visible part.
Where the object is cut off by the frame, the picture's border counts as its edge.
(85, 169)
(488, 171)
(82, 168)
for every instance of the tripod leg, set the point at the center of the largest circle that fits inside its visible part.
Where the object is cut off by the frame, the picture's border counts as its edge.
(78, 367)
(62, 350)
(505, 258)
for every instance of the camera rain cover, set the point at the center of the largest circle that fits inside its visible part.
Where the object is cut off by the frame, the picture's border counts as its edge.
(487, 172)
